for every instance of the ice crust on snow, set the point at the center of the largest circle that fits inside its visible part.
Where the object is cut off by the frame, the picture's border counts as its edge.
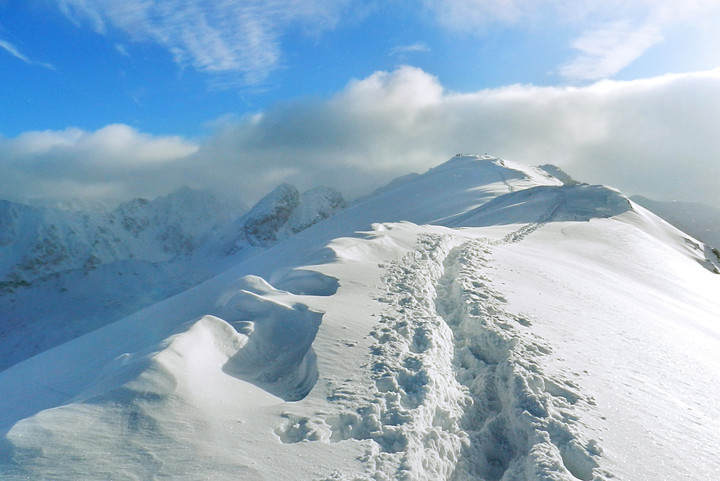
(481, 321)
(548, 203)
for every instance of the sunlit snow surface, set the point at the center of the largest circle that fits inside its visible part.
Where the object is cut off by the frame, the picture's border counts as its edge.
(478, 322)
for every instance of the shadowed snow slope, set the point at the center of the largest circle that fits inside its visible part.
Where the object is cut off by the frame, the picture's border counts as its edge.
(481, 321)
(66, 273)
(549, 204)
(699, 220)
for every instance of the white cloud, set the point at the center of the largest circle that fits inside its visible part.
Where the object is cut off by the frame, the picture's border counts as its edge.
(655, 137)
(110, 144)
(609, 49)
(612, 33)
(223, 37)
(413, 47)
(13, 50)
(115, 161)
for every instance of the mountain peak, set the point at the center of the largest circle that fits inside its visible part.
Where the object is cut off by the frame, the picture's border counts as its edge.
(285, 211)
(272, 212)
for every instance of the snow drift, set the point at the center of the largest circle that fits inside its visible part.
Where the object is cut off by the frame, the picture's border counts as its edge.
(65, 273)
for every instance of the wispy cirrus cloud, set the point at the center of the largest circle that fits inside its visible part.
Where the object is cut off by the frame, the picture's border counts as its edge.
(614, 38)
(470, 15)
(13, 50)
(611, 34)
(237, 39)
(412, 48)
(605, 51)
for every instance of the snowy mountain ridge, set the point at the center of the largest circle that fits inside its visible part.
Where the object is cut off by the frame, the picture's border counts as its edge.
(42, 241)
(480, 321)
(76, 271)
(36, 242)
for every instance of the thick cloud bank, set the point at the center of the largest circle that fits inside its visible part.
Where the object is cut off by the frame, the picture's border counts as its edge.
(651, 136)
(112, 163)
(654, 137)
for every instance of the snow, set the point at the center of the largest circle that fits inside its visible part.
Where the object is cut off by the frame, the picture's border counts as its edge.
(284, 212)
(63, 274)
(640, 340)
(699, 220)
(481, 321)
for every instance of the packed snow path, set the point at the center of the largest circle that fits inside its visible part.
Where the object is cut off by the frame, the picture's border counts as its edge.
(459, 391)
(521, 421)
(469, 380)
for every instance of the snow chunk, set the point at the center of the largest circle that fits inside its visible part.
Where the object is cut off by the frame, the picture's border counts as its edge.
(279, 355)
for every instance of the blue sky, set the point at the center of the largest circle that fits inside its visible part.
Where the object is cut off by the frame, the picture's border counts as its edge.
(106, 95)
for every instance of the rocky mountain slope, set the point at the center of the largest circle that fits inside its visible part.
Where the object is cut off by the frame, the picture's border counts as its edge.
(79, 270)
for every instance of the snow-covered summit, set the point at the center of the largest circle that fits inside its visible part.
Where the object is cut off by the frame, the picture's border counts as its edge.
(480, 321)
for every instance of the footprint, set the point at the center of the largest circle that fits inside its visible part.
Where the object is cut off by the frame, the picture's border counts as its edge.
(300, 428)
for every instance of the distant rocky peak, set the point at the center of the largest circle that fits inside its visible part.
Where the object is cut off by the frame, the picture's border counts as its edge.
(285, 211)
(186, 212)
(271, 213)
(315, 205)
(186, 197)
(132, 207)
(183, 200)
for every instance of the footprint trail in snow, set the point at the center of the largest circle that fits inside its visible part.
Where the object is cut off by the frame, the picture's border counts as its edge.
(458, 388)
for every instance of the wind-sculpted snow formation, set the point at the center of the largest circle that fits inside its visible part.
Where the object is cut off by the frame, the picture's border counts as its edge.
(65, 273)
(279, 355)
(481, 321)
